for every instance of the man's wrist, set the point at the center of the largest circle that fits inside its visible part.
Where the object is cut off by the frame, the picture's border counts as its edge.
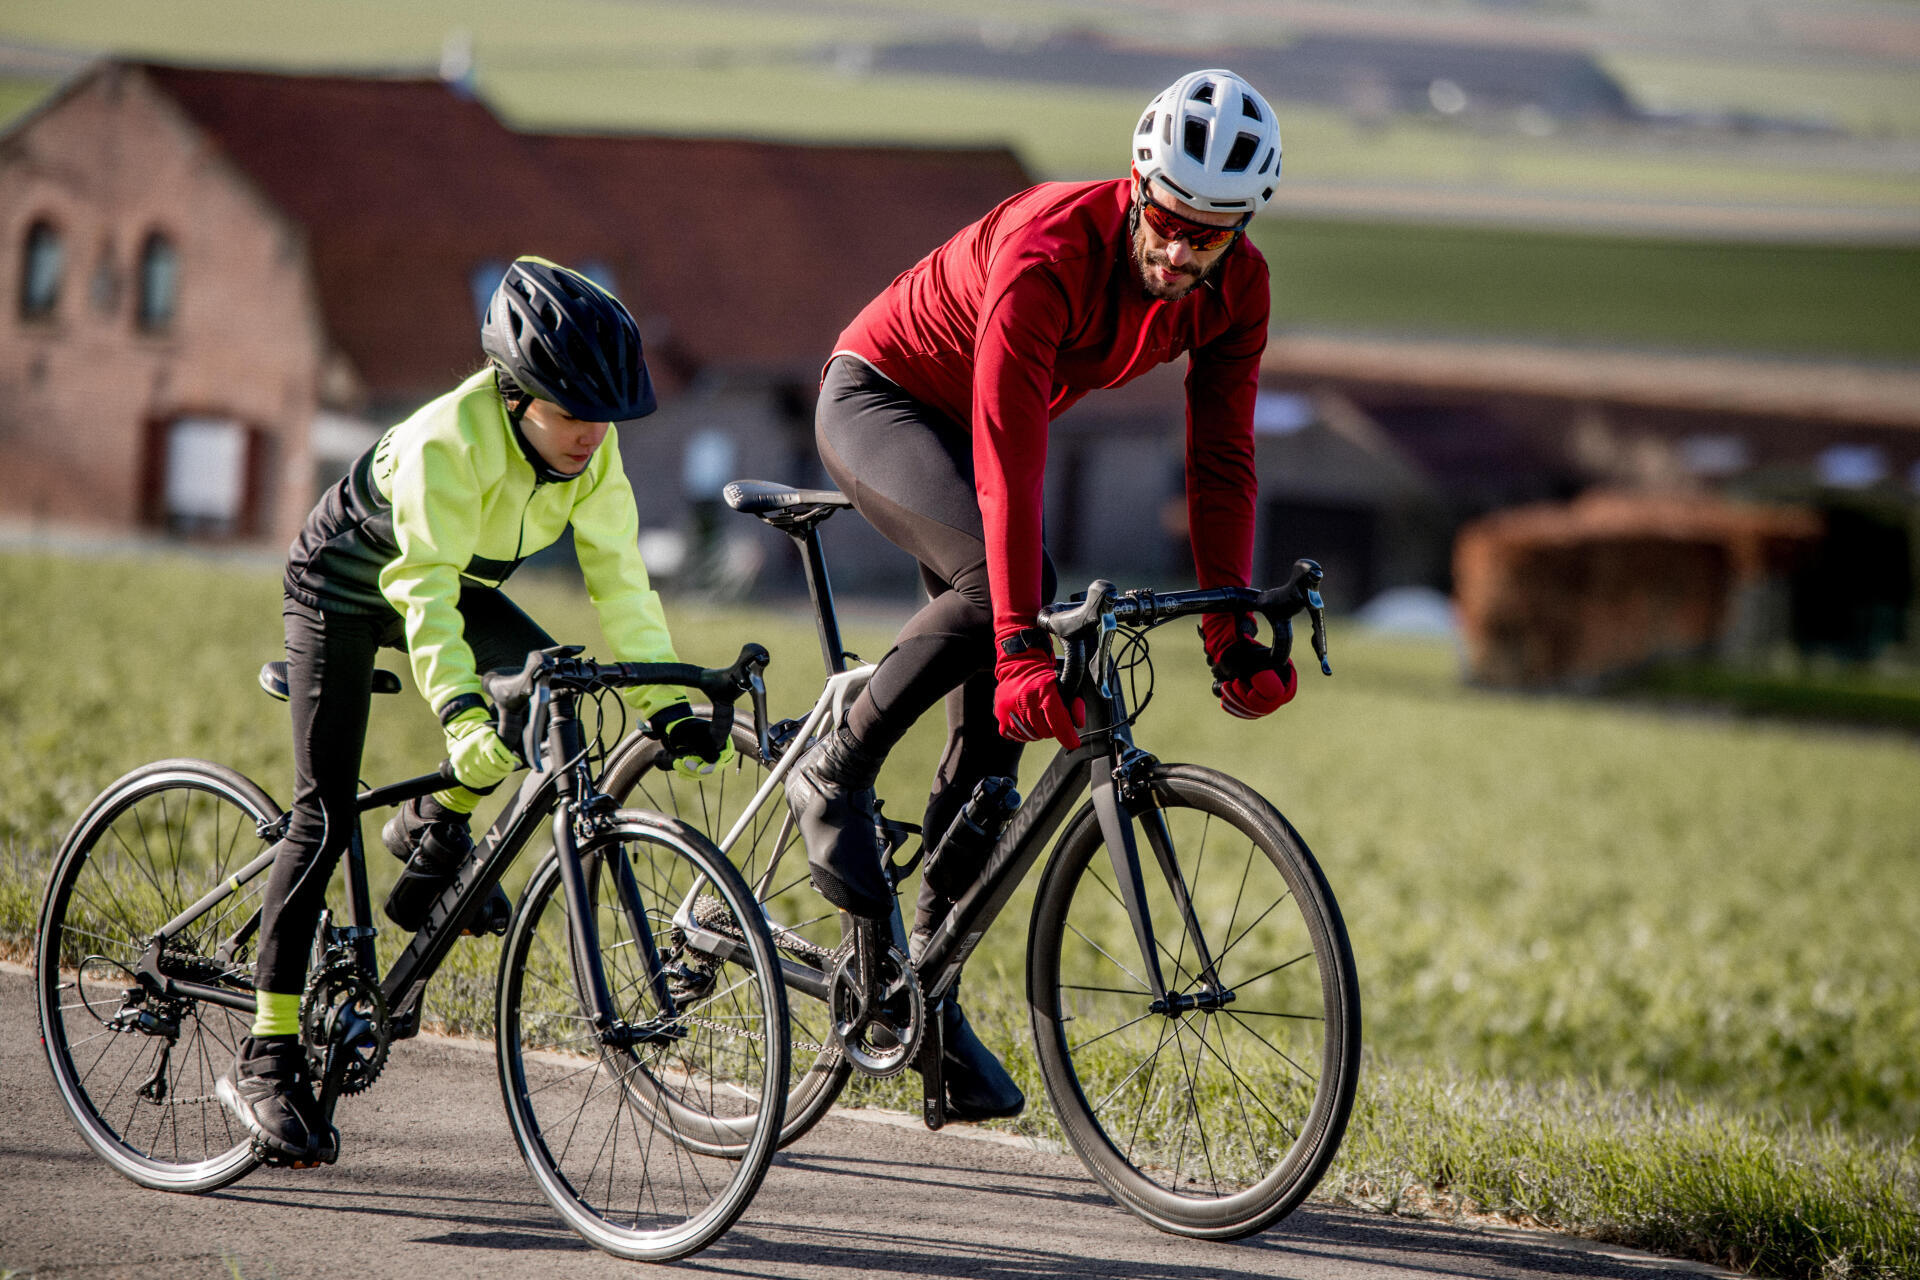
(1026, 640)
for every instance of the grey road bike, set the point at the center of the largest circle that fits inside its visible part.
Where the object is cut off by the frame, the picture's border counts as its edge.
(1194, 1005)
(623, 1049)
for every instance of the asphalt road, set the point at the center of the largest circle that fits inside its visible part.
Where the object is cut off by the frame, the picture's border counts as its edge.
(430, 1185)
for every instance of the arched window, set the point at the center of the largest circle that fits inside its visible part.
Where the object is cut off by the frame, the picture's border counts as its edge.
(159, 282)
(41, 266)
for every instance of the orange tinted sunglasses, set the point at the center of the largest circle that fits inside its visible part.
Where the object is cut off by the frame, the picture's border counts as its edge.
(1201, 237)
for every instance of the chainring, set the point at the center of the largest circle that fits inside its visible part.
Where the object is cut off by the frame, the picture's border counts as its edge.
(340, 990)
(885, 1043)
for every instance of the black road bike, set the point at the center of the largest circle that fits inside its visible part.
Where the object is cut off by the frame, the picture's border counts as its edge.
(626, 1053)
(1194, 1005)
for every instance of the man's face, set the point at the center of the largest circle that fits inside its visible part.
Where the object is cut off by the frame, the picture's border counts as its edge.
(563, 441)
(1170, 268)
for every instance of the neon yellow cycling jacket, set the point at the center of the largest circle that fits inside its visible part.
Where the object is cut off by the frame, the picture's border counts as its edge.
(448, 498)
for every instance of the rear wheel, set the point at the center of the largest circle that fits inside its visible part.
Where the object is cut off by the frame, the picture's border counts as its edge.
(771, 858)
(1216, 1113)
(649, 1142)
(136, 1068)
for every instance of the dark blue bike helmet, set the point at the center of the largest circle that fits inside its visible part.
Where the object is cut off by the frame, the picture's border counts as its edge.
(563, 338)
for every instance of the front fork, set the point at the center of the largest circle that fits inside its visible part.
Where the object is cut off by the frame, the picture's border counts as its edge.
(1122, 794)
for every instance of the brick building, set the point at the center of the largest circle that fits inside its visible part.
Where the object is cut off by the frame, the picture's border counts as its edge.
(222, 283)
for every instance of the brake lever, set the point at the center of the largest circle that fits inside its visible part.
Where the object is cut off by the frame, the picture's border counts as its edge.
(1311, 575)
(757, 690)
(532, 740)
(1317, 611)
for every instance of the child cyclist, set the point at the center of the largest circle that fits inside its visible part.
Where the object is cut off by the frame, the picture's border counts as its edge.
(409, 550)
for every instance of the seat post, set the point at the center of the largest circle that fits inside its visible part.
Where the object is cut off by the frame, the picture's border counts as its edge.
(820, 589)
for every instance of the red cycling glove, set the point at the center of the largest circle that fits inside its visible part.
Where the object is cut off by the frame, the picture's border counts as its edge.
(1027, 701)
(1248, 677)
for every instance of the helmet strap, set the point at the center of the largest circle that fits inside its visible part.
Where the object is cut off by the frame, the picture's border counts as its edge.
(515, 397)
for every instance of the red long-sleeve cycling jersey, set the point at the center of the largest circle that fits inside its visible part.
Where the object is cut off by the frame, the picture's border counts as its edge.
(1014, 319)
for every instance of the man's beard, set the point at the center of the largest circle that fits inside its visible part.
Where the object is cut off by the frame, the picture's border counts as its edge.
(1143, 258)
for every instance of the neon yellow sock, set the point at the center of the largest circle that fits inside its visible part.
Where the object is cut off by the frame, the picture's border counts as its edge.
(275, 1014)
(458, 799)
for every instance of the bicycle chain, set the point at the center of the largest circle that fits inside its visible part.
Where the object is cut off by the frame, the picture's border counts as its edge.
(694, 1019)
(711, 913)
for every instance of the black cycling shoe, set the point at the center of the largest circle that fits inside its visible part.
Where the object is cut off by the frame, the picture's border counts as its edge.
(270, 1093)
(831, 794)
(978, 1087)
(433, 841)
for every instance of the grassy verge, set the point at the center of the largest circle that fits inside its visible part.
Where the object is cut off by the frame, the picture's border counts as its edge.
(1753, 1193)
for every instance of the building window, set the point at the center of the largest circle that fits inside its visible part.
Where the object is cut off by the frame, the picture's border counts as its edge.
(159, 282)
(41, 268)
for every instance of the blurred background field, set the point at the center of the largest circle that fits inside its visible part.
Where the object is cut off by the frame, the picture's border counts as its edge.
(1757, 137)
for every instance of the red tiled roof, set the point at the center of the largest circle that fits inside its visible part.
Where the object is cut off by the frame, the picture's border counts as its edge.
(403, 187)
(770, 249)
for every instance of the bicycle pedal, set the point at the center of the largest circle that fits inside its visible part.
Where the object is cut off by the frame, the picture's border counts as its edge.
(274, 1158)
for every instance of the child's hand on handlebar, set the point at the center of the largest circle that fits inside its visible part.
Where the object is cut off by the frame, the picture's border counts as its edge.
(481, 758)
(697, 747)
(1248, 677)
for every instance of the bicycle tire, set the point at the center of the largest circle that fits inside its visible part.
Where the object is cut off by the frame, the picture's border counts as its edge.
(622, 1140)
(146, 849)
(642, 777)
(1212, 1123)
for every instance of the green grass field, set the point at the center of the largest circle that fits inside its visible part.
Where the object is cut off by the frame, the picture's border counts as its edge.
(1794, 299)
(1641, 976)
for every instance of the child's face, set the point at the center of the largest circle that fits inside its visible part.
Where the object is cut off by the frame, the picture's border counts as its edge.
(564, 442)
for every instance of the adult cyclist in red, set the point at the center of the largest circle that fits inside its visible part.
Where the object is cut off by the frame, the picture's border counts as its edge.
(933, 418)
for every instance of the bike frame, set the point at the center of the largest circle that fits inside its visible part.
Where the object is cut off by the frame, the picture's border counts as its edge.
(1107, 763)
(567, 792)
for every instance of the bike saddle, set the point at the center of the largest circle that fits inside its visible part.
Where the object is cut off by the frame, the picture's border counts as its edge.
(782, 505)
(273, 678)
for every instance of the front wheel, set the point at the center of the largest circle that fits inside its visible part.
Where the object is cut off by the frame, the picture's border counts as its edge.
(651, 1137)
(1214, 1113)
(135, 1066)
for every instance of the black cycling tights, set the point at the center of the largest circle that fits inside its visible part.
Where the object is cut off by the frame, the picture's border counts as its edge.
(329, 684)
(909, 470)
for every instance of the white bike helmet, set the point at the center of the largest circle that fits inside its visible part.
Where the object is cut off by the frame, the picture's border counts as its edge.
(1211, 140)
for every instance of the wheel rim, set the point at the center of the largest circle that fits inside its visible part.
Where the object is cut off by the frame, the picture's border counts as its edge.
(1212, 1114)
(605, 1130)
(140, 858)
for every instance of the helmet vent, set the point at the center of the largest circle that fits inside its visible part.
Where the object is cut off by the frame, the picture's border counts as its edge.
(1267, 194)
(1196, 140)
(1146, 126)
(1268, 162)
(1203, 93)
(1143, 153)
(1249, 109)
(1244, 148)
